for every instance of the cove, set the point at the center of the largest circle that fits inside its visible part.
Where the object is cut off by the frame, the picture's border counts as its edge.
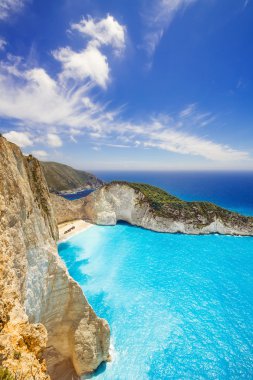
(179, 307)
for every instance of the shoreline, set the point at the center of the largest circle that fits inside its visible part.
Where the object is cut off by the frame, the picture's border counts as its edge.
(75, 191)
(69, 229)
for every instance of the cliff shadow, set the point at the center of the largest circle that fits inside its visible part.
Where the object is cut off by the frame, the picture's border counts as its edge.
(72, 255)
(101, 368)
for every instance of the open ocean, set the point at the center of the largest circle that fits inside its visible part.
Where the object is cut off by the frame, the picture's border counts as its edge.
(179, 307)
(233, 190)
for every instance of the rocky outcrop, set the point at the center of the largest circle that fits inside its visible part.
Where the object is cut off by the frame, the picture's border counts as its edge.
(65, 210)
(152, 208)
(43, 312)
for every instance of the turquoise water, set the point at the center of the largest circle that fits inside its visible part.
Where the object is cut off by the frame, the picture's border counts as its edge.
(179, 307)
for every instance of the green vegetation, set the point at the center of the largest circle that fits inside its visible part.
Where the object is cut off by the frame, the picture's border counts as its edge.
(5, 374)
(166, 205)
(157, 198)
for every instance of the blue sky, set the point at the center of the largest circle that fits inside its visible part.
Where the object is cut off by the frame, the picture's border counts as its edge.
(130, 84)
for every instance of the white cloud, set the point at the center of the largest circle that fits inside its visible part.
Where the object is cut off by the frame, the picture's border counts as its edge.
(246, 3)
(52, 107)
(188, 111)
(117, 145)
(54, 140)
(158, 18)
(39, 154)
(3, 43)
(73, 139)
(105, 32)
(33, 97)
(184, 143)
(22, 139)
(89, 63)
(191, 114)
(8, 7)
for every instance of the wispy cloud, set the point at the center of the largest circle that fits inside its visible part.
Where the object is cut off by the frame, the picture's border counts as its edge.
(188, 110)
(193, 116)
(63, 106)
(9, 7)
(184, 143)
(157, 133)
(41, 154)
(40, 102)
(246, 3)
(25, 92)
(158, 18)
(121, 146)
(103, 32)
(3, 43)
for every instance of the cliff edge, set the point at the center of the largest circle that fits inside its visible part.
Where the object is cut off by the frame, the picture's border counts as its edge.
(47, 327)
(152, 208)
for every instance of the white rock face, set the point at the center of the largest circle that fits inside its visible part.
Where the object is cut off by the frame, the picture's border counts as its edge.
(119, 201)
(45, 291)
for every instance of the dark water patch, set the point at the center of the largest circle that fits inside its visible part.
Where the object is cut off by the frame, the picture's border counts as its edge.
(77, 195)
(101, 368)
(232, 190)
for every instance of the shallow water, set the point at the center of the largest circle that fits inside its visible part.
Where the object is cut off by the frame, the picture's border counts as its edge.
(179, 307)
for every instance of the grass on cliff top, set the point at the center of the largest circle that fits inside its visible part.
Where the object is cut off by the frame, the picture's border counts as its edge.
(5, 374)
(160, 201)
(157, 198)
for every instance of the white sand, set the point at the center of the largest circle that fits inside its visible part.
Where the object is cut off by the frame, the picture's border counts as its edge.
(79, 225)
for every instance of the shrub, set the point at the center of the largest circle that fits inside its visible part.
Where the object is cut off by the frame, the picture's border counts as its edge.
(5, 374)
(16, 355)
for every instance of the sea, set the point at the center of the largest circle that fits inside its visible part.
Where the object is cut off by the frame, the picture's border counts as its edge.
(179, 307)
(76, 195)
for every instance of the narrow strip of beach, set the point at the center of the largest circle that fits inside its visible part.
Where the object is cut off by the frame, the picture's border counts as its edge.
(69, 229)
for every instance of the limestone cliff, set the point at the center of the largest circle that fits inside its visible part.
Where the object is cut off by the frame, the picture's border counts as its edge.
(152, 208)
(65, 210)
(43, 312)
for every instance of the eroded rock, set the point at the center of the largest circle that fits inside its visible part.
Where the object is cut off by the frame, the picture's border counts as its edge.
(152, 208)
(42, 309)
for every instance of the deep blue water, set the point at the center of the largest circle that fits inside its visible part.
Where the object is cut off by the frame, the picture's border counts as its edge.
(180, 307)
(77, 195)
(231, 190)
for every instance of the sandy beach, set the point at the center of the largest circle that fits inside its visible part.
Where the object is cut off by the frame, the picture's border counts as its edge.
(68, 229)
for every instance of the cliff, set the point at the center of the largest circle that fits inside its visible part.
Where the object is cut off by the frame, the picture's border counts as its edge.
(152, 208)
(43, 312)
(61, 177)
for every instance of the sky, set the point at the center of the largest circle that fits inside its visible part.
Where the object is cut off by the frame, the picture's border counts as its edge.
(129, 84)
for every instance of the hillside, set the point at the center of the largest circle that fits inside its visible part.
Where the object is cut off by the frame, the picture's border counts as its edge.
(152, 208)
(62, 177)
